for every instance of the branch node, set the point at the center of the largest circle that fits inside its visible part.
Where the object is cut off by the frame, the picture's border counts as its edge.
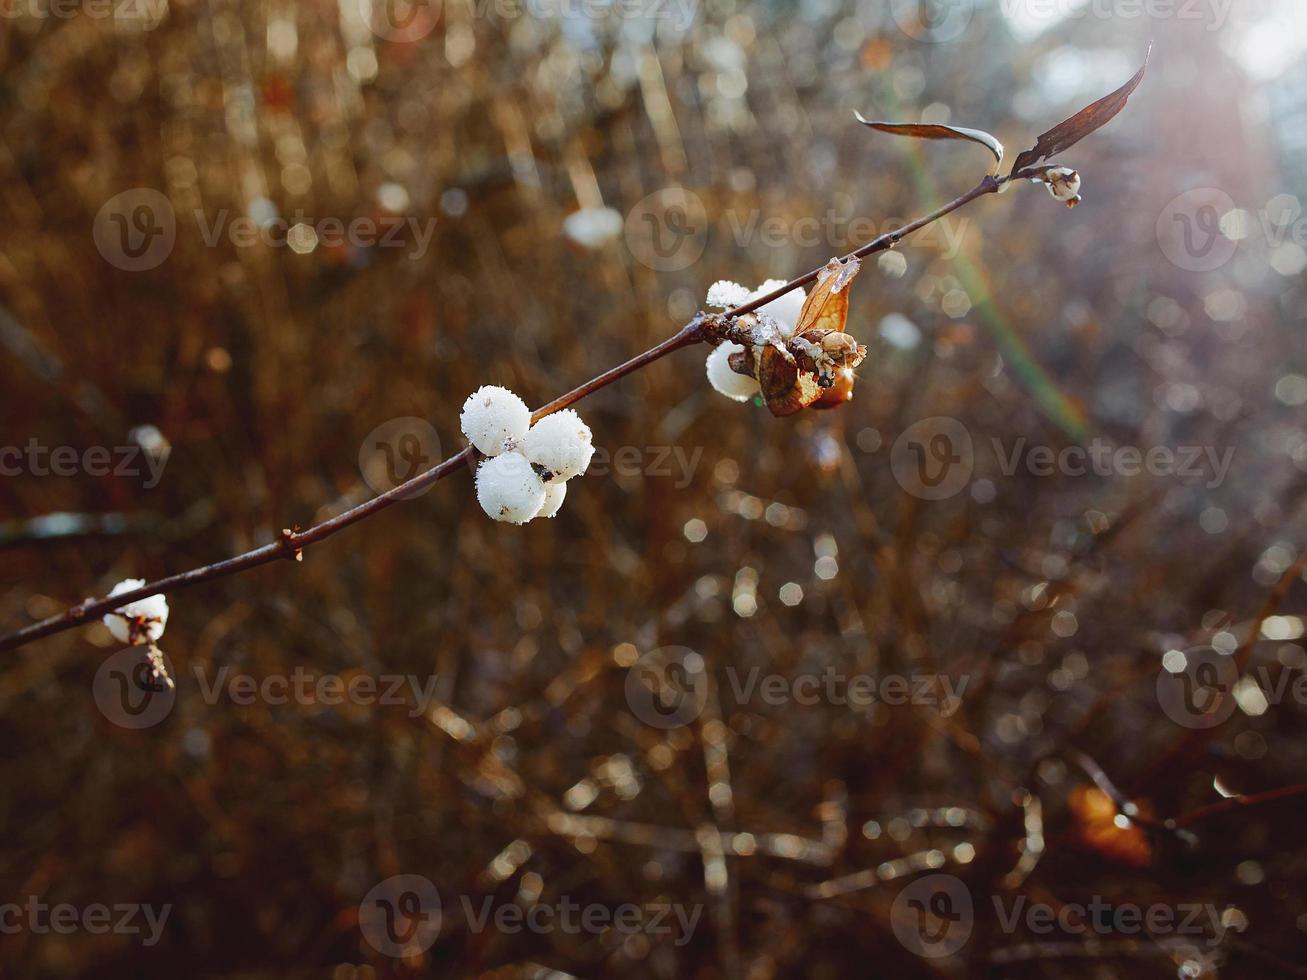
(287, 538)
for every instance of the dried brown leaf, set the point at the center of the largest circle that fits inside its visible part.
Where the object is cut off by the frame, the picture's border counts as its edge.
(938, 131)
(1069, 132)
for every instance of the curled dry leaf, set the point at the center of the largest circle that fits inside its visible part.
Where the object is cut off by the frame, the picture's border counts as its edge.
(1069, 132)
(821, 357)
(938, 131)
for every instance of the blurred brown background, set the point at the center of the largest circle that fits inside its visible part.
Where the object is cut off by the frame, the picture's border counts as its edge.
(1166, 311)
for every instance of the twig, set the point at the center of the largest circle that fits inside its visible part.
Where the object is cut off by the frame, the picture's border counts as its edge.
(291, 543)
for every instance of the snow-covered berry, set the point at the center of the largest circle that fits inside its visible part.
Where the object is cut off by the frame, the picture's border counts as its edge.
(508, 488)
(785, 309)
(1063, 183)
(559, 446)
(494, 419)
(554, 494)
(139, 622)
(725, 295)
(720, 376)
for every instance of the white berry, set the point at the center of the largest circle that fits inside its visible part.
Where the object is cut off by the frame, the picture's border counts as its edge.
(559, 445)
(494, 419)
(554, 494)
(785, 309)
(720, 376)
(726, 295)
(1063, 183)
(508, 488)
(138, 622)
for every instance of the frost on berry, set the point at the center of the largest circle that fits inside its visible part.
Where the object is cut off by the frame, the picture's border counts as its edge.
(785, 309)
(722, 377)
(554, 494)
(508, 488)
(140, 622)
(726, 295)
(494, 419)
(559, 446)
(1064, 184)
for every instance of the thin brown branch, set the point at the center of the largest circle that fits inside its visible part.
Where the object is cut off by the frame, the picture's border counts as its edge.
(290, 544)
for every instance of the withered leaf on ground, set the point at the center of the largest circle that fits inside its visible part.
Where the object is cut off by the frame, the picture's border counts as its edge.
(1069, 132)
(938, 131)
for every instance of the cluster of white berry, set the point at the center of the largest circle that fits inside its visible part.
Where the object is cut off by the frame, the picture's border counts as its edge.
(529, 466)
(141, 623)
(726, 295)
